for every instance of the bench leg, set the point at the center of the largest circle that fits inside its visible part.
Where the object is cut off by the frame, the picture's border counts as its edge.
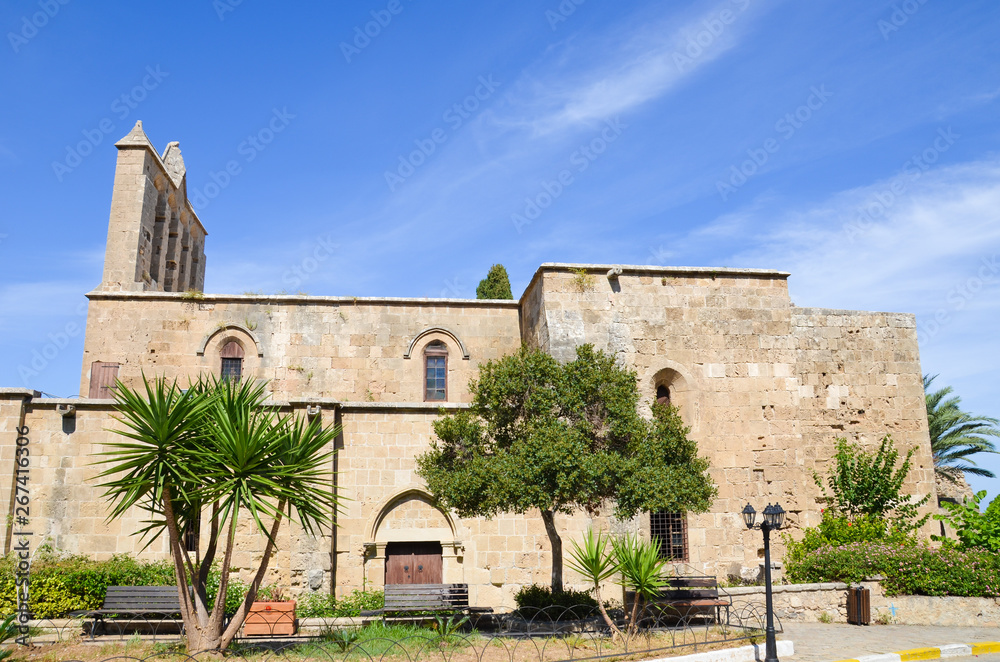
(93, 626)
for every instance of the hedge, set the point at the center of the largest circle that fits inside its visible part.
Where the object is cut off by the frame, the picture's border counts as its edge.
(325, 606)
(907, 570)
(62, 583)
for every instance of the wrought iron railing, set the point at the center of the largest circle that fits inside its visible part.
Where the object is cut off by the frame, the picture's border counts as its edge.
(553, 634)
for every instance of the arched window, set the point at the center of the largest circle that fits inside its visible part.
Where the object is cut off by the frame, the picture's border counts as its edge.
(435, 371)
(662, 394)
(232, 361)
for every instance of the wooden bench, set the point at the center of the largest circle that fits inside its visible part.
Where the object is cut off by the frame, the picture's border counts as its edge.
(407, 601)
(137, 604)
(687, 596)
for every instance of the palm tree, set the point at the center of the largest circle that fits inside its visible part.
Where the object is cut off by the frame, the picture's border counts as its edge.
(217, 452)
(956, 435)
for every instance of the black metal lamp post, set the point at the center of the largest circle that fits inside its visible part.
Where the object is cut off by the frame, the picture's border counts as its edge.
(774, 517)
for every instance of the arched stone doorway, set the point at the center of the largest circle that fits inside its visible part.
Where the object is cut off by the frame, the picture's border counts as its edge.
(410, 541)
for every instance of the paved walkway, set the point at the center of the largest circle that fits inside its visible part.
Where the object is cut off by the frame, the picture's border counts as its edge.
(818, 642)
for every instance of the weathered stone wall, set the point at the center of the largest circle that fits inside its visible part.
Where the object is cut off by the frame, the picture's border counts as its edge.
(388, 502)
(809, 602)
(384, 502)
(155, 240)
(341, 348)
(765, 387)
(858, 377)
(66, 509)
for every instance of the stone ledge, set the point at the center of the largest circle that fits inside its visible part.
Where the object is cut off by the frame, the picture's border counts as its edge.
(22, 392)
(840, 312)
(786, 588)
(327, 403)
(654, 269)
(301, 299)
(403, 406)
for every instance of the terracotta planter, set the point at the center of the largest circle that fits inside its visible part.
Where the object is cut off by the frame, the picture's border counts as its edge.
(271, 619)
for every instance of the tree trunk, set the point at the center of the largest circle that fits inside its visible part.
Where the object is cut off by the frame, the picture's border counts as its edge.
(549, 517)
(200, 641)
(226, 636)
(615, 632)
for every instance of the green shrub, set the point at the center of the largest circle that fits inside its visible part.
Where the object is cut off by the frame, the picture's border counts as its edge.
(321, 605)
(560, 604)
(358, 601)
(61, 583)
(869, 484)
(835, 530)
(973, 528)
(907, 570)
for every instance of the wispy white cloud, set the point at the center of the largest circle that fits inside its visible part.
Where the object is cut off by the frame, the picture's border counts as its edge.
(926, 240)
(934, 252)
(638, 61)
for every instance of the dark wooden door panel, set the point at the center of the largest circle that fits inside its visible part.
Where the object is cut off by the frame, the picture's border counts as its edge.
(102, 379)
(413, 563)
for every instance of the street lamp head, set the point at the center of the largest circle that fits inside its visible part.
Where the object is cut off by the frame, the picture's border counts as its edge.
(774, 516)
(749, 515)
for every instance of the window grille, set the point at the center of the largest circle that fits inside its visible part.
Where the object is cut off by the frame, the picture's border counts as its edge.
(191, 534)
(232, 361)
(669, 532)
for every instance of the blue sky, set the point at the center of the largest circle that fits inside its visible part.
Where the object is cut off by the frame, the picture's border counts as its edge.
(852, 143)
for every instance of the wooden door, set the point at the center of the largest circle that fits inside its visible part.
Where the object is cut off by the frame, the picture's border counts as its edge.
(102, 379)
(413, 563)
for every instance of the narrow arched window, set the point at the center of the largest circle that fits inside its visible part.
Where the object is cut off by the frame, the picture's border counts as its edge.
(232, 361)
(436, 371)
(662, 395)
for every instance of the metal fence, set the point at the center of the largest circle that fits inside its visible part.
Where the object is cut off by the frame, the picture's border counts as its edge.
(553, 634)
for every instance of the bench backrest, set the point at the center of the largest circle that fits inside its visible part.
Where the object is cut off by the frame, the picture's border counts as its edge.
(415, 597)
(690, 588)
(156, 599)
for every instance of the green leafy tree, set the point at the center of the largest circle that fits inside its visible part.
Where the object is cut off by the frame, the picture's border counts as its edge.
(972, 527)
(870, 485)
(560, 437)
(956, 435)
(215, 450)
(496, 285)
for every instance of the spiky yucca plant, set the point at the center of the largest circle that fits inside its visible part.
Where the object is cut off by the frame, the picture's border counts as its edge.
(215, 450)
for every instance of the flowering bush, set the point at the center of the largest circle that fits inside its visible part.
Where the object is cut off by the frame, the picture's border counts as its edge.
(836, 530)
(907, 570)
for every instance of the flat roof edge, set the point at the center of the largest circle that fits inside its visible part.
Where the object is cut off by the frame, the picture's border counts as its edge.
(652, 268)
(294, 299)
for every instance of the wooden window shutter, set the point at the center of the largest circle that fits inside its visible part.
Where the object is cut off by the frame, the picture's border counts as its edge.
(102, 379)
(232, 350)
(232, 361)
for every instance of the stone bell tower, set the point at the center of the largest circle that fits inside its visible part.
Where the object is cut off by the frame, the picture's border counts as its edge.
(155, 240)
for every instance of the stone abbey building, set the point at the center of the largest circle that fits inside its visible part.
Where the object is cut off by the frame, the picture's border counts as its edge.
(766, 388)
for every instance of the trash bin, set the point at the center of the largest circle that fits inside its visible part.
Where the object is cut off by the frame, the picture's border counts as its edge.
(859, 605)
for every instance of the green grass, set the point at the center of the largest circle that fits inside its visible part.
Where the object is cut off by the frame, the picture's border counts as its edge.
(378, 640)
